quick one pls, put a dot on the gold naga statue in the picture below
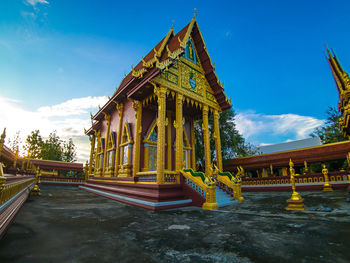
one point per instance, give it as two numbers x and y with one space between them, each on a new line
233 181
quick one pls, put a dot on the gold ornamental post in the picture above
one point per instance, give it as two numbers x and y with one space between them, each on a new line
295 202
327 186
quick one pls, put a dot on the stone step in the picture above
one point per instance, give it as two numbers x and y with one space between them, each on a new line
224 199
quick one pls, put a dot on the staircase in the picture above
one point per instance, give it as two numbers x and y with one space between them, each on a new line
224 199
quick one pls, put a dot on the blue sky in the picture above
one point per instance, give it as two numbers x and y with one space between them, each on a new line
60 59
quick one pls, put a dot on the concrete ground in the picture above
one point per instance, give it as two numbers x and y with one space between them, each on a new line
70 225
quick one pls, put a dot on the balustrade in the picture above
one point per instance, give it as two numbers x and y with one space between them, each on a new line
9 190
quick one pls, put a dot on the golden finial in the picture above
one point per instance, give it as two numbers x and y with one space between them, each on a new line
3 135
172 26
195 12
291 164
91 116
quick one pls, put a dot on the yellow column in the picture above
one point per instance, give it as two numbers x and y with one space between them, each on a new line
193 145
105 157
137 105
98 135
179 133
217 140
206 140
119 136
169 141
161 94
92 151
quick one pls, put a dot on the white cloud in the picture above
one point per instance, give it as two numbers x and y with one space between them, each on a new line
73 106
68 118
34 2
251 124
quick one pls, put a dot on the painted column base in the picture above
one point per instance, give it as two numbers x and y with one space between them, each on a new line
36 190
210 206
327 187
296 205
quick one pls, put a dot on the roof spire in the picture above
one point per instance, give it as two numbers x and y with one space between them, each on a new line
172 26
195 12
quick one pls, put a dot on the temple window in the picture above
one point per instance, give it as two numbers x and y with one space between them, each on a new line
186 151
126 145
190 52
100 155
150 144
111 150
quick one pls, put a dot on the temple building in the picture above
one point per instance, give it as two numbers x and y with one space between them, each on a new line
342 82
142 139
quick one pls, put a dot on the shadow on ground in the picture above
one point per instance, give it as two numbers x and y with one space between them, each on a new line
70 225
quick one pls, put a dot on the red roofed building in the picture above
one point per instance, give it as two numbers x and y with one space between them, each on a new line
144 134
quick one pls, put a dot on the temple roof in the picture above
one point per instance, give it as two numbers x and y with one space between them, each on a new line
58 165
326 152
162 56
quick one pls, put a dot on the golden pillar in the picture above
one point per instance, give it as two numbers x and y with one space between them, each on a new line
306 169
295 202
217 140
179 132
169 141
161 94
105 157
137 105
193 145
92 152
120 108
206 140
98 136
327 186
36 189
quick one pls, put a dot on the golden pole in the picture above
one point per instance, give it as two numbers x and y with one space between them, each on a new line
217 140
137 105
120 108
169 149
179 132
295 202
327 186
161 94
206 140
105 157
92 152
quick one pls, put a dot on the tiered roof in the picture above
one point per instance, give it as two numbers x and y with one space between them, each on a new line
342 81
160 58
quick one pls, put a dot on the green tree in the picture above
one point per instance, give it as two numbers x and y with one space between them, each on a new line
52 148
233 145
15 142
33 144
330 131
69 151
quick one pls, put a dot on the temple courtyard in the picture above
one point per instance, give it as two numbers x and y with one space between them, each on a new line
71 225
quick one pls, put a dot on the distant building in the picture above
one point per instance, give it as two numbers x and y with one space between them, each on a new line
293 145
